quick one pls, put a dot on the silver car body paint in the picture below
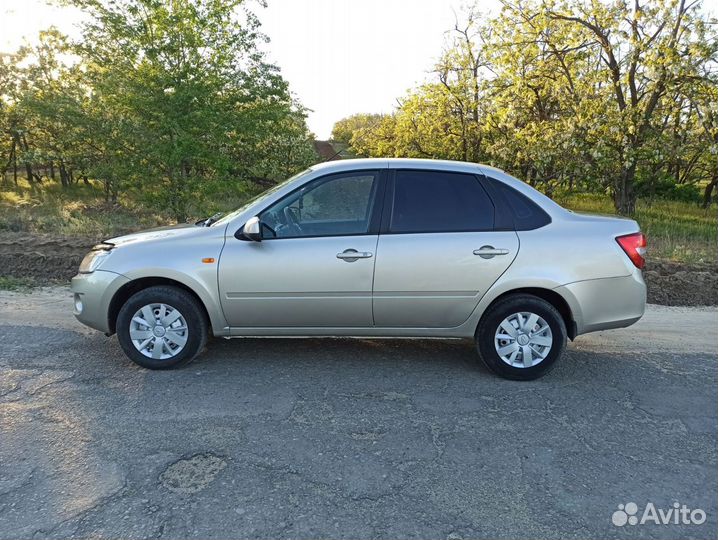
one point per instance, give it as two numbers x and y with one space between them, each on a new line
428 284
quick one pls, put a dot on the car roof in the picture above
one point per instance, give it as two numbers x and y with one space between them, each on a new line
400 163
329 167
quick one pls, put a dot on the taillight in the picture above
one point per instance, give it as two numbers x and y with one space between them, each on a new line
635 247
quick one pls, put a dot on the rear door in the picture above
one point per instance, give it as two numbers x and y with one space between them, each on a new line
438 252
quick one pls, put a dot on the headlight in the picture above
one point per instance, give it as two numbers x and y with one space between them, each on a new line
94 258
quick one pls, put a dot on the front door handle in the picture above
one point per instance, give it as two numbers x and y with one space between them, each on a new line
351 255
487 252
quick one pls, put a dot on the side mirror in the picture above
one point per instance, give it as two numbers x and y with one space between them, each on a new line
252 230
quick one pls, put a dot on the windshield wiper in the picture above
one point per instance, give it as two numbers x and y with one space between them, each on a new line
208 221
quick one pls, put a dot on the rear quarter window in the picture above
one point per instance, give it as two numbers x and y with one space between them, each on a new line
526 214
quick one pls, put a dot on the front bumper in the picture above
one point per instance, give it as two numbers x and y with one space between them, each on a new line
601 304
92 296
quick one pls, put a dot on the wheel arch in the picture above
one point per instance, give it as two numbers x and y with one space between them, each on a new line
550 296
136 285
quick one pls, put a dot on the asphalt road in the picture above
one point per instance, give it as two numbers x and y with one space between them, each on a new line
286 438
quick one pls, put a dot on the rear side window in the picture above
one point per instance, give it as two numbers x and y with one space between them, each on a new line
527 215
436 201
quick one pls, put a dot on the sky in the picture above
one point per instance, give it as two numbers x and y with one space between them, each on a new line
340 56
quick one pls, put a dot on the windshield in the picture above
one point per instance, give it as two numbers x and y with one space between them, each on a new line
258 198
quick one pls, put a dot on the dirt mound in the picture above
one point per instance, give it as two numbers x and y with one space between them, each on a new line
47 258
676 284
42 257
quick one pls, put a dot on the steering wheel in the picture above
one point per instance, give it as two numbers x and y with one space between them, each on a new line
292 220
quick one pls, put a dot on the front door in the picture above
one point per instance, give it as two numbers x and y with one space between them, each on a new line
439 254
315 264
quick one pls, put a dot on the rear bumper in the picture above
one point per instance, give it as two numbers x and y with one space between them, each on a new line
601 304
92 296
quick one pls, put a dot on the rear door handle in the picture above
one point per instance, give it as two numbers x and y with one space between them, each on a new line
351 255
487 252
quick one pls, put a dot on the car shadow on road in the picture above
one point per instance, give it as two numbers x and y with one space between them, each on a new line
378 351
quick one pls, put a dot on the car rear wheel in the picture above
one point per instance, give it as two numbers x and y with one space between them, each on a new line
521 337
162 327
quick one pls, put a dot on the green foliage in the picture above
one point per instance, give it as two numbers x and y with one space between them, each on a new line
666 188
170 102
606 97
352 126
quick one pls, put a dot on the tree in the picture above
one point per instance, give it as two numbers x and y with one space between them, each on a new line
460 72
569 93
642 50
374 139
181 103
701 89
50 100
348 127
8 143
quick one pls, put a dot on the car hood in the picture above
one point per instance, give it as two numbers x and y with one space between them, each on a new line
160 233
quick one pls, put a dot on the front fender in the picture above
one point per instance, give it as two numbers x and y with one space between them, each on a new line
204 285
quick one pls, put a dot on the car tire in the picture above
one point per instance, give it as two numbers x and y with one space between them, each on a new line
507 328
162 327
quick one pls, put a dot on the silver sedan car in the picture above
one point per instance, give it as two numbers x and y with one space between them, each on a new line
373 247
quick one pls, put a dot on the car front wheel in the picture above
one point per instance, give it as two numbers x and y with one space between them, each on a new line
162 327
521 337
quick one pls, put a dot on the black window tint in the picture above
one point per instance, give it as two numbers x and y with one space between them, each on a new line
527 214
439 202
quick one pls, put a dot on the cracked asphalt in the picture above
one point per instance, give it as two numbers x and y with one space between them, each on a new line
341 438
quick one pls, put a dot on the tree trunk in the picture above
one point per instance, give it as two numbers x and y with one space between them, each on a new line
14 163
28 165
464 142
10 161
28 172
179 188
624 195
63 175
52 170
708 193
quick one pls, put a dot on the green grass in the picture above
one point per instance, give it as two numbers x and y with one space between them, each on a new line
74 211
677 231
9 283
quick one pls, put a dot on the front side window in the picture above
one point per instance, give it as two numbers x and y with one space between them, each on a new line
437 201
334 206
258 198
